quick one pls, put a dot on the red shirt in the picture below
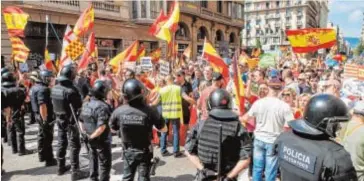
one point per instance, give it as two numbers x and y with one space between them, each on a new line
202 101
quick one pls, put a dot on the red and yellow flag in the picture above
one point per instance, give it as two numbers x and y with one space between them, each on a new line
217 63
156 54
88 55
256 52
311 39
161 19
19 52
47 60
187 52
129 54
171 25
239 86
15 20
85 22
141 52
74 49
172 50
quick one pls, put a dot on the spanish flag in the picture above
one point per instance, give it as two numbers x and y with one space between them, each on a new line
170 26
19 52
47 60
156 54
158 23
85 22
129 54
215 60
311 39
187 52
141 52
89 53
15 20
239 86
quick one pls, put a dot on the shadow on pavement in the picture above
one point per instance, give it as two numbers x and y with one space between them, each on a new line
33 171
178 178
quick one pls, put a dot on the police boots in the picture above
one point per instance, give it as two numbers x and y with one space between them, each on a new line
62 168
78 175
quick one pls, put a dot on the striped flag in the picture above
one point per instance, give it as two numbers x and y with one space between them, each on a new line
15 20
85 21
187 52
88 54
19 52
47 60
171 24
239 86
67 38
128 54
141 52
159 21
351 71
156 54
217 63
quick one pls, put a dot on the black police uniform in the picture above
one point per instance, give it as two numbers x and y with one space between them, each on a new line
16 127
41 94
306 153
94 114
135 122
63 94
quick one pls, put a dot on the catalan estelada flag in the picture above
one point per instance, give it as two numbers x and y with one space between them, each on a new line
15 20
129 54
19 52
170 26
311 39
85 22
47 60
217 63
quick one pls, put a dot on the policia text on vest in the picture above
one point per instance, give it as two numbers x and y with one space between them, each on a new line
298 158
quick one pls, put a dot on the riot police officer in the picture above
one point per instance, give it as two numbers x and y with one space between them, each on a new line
4 104
94 119
64 94
41 104
202 145
307 152
16 123
135 120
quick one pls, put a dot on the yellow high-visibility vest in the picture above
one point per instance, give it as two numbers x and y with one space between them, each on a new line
171 100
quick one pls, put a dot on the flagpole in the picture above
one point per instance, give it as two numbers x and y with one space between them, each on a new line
46 42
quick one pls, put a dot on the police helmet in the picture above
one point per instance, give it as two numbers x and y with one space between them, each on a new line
4 70
45 76
99 89
322 115
8 79
34 75
219 99
133 89
68 72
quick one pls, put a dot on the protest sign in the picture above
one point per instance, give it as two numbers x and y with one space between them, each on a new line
267 60
354 71
164 68
129 65
146 63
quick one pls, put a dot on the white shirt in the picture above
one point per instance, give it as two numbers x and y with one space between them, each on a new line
271 115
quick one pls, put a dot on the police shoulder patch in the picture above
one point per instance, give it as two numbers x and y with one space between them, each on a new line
298 157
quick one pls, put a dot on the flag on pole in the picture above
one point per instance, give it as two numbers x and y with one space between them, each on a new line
171 25
187 52
19 52
87 55
15 20
156 54
47 60
141 52
85 21
239 86
159 21
127 55
217 63
311 39
172 49
67 38
74 49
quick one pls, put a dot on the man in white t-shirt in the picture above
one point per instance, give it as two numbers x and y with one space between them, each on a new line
271 115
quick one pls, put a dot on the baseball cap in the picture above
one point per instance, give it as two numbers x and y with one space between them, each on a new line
274 73
216 76
359 108
275 84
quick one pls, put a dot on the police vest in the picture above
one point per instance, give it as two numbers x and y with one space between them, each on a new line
15 97
208 144
304 159
171 102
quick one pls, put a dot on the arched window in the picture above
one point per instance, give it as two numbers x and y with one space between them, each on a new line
219 36
232 38
202 33
182 32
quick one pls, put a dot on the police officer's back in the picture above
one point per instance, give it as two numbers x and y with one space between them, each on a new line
135 121
64 94
308 153
203 140
94 116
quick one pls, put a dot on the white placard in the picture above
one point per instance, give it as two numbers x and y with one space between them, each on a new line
164 68
129 65
146 63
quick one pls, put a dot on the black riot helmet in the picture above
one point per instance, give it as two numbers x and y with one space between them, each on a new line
99 89
68 72
4 70
133 90
8 79
219 99
322 115
45 76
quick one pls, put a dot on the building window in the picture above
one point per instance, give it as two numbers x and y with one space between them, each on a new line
232 38
135 9
248 6
219 6
202 33
143 9
204 4
288 3
154 9
277 4
219 36
182 33
267 5
230 6
257 22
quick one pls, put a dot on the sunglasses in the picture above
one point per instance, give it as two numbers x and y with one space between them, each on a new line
286 95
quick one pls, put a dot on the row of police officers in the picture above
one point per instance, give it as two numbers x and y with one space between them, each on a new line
219 147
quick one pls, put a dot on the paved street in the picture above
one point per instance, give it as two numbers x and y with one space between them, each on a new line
28 167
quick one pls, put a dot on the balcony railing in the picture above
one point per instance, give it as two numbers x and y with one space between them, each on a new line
67 3
106 6
207 12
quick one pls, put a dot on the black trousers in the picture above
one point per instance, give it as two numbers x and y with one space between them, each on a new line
134 160
45 139
29 109
16 134
68 132
100 156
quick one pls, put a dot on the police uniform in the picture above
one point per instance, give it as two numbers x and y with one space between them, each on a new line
94 114
203 141
135 121
306 153
41 94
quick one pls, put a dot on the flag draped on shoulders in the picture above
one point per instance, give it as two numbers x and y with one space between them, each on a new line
19 52
85 21
89 53
129 54
170 26
217 63
311 39
16 20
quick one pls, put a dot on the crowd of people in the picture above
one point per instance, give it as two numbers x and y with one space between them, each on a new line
277 100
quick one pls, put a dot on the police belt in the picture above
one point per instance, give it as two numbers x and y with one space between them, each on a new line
136 147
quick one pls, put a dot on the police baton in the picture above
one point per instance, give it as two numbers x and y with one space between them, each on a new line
219 158
85 140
